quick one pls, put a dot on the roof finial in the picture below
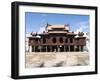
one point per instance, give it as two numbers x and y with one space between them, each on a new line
46 26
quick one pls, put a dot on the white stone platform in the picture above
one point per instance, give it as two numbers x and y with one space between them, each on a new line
56 59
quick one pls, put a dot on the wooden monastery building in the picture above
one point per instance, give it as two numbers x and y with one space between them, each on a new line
57 38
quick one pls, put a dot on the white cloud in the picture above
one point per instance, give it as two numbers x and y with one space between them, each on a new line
83 26
41 29
79 30
43 25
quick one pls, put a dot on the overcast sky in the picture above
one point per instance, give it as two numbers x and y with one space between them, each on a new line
36 22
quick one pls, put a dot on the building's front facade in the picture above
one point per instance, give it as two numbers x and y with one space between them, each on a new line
57 38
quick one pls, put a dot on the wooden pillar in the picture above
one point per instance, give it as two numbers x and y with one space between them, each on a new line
32 48
79 48
82 48
57 48
74 47
46 48
50 48
40 48
64 49
69 48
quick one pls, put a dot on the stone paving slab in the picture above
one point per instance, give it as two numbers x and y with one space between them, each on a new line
56 59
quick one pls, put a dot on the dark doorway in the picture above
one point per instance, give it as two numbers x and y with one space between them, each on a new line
48 49
71 48
61 48
81 48
66 48
43 49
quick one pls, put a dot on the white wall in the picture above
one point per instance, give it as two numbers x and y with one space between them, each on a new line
5 40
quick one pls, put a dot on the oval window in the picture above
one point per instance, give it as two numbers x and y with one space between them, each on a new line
54 40
71 40
61 40
66 40
44 40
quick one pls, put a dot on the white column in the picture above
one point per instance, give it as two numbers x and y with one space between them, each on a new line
79 48
27 45
40 48
46 48
30 48
58 49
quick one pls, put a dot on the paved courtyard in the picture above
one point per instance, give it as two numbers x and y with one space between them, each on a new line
56 59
